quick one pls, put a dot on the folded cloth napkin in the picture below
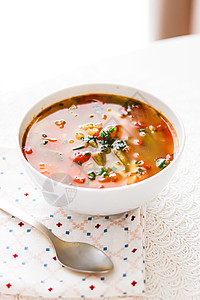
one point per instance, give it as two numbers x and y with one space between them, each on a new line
28 265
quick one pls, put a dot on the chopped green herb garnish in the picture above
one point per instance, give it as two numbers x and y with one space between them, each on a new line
112 129
138 162
140 170
121 145
44 135
136 103
45 142
158 114
105 174
107 140
142 130
79 163
104 148
91 176
89 138
79 147
106 133
87 153
101 134
103 171
61 104
82 138
161 163
127 105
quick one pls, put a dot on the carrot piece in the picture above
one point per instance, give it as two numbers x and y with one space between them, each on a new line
101 186
80 157
79 179
60 123
28 150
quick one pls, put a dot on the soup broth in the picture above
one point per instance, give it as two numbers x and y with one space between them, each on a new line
99 141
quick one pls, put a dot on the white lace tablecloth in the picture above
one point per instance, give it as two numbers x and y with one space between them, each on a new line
169 70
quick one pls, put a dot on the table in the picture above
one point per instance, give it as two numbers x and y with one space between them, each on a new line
170 70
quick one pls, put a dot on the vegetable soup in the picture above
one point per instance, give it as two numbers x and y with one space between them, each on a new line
99 141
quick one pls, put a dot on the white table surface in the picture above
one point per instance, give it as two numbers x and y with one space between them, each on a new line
168 69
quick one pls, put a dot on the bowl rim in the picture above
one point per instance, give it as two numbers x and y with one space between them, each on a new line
124 187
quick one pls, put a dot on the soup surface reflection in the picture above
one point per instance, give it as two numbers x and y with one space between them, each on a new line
99 141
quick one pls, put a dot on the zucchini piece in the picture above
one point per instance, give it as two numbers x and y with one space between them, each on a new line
93 144
121 155
99 158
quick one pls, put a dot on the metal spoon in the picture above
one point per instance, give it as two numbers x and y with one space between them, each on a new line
76 256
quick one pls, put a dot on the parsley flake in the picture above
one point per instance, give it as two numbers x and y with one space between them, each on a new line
91 176
161 163
103 171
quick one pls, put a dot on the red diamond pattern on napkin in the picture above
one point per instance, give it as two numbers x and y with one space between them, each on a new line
133 283
97 226
21 224
59 224
92 287
132 218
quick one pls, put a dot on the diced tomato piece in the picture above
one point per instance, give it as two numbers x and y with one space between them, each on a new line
79 179
146 166
101 186
142 170
97 135
114 176
80 157
114 133
159 126
128 148
169 157
51 140
137 142
104 179
28 150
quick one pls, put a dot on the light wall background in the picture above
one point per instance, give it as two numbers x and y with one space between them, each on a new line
41 39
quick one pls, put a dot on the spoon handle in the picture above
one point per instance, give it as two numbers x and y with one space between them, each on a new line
20 214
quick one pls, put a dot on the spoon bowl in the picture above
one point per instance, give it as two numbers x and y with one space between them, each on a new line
82 257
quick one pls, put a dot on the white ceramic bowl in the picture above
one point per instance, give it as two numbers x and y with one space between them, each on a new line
110 200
